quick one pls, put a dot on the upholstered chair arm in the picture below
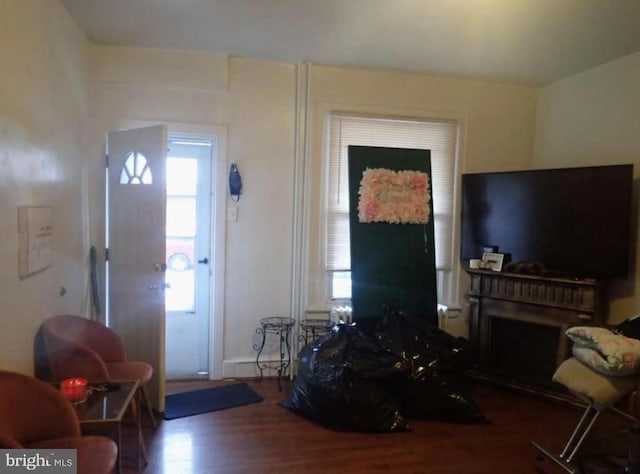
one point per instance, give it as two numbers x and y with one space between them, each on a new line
33 410
9 443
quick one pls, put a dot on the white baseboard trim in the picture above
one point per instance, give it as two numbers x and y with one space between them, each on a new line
244 368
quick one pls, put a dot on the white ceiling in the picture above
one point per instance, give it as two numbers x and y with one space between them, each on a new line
524 41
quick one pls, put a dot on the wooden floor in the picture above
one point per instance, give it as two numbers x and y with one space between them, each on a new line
266 438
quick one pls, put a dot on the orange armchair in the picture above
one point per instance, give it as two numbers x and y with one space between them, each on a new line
71 346
35 415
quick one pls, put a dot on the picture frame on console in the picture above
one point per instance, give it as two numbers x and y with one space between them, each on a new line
492 261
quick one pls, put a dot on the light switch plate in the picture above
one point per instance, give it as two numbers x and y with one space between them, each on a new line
232 214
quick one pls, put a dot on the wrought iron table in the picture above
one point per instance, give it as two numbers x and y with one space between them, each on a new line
281 327
313 328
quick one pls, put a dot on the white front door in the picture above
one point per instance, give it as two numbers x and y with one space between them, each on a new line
189 257
136 246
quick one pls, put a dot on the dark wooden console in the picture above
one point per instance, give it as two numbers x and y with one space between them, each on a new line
518 323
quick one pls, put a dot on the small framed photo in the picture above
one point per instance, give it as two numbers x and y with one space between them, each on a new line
493 261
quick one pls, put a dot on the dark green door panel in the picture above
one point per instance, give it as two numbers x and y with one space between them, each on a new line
391 264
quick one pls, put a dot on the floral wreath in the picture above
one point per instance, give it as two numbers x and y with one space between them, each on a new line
395 197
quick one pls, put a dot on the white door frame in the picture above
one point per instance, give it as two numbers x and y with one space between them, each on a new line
218 232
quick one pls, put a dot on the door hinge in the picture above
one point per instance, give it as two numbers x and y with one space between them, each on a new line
106 255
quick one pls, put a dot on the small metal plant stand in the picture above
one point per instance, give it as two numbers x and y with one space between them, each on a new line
281 327
313 328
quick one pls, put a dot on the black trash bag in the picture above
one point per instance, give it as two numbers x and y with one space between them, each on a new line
425 349
347 345
437 361
629 327
439 400
340 384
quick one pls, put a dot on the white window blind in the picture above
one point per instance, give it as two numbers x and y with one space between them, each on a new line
345 130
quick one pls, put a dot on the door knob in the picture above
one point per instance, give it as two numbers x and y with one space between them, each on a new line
204 261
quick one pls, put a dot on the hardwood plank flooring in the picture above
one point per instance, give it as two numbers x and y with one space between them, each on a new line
266 438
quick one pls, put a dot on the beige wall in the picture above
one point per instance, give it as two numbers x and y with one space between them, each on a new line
496 133
254 102
50 156
261 113
43 136
51 153
592 119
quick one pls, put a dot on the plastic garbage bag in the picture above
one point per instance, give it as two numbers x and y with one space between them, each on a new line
340 383
436 361
629 327
440 400
350 381
425 349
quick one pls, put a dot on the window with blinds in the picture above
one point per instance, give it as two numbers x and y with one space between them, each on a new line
438 136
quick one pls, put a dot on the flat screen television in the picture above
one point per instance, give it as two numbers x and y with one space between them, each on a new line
576 222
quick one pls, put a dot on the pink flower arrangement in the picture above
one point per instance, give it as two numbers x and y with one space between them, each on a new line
396 197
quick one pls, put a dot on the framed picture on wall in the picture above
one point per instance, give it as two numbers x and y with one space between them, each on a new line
35 235
493 261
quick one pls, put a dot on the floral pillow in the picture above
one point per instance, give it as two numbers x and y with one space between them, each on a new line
605 351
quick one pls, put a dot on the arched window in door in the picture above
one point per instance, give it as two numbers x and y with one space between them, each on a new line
135 170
